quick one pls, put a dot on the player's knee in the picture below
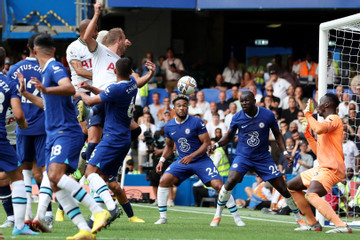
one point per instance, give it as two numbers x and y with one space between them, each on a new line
311 196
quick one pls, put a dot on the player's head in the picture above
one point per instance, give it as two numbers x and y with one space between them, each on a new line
82 28
44 44
247 101
123 68
181 104
31 41
2 57
116 36
328 104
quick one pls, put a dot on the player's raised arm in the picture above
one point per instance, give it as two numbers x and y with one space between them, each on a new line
37 101
90 41
205 140
141 81
169 146
64 88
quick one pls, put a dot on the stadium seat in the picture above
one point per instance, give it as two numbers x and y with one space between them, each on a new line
208 199
211 94
163 93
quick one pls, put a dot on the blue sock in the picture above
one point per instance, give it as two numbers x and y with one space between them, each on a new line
49 208
60 207
91 147
5 196
128 209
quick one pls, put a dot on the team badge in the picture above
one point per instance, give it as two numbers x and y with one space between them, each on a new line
187 131
235 165
261 125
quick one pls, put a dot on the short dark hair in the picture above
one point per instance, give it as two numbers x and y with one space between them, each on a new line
31 40
2 56
294 131
44 40
333 98
180 96
123 67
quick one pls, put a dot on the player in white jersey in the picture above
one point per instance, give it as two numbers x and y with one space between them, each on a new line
105 56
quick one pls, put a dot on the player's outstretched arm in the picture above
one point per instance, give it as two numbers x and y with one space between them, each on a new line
18 113
141 81
90 41
169 145
86 86
90 101
37 101
223 141
205 140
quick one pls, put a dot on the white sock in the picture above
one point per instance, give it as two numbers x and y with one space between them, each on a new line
99 186
72 209
291 203
163 195
19 203
223 198
73 187
27 180
45 196
10 218
231 205
48 214
99 201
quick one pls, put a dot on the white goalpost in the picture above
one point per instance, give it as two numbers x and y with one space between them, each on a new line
340 40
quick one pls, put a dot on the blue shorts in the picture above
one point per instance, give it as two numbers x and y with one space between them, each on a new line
31 148
98 118
204 168
9 160
109 157
64 149
265 168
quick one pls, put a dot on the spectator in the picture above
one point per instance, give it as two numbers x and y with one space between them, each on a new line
155 106
237 102
279 85
240 203
173 69
258 96
193 108
246 81
7 65
147 133
351 153
220 83
284 129
141 118
284 164
268 102
173 94
143 70
213 109
166 107
223 104
130 169
306 70
232 74
290 93
339 92
204 105
356 95
344 105
290 114
234 91
257 72
228 117
269 92
299 98
214 124
305 162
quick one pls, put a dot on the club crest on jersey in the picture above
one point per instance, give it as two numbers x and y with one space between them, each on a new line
187 131
235 165
261 125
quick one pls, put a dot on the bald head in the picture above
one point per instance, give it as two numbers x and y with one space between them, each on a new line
247 94
83 25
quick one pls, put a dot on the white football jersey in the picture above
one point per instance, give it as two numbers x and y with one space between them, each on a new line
104 64
78 50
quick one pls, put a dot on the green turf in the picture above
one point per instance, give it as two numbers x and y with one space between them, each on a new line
191 223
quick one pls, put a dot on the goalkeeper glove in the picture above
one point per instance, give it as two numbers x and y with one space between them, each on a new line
309 107
304 124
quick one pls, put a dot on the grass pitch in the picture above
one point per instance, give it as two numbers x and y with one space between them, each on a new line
190 223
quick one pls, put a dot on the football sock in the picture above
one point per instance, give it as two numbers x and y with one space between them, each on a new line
302 203
231 205
27 180
19 203
91 147
45 196
128 209
163 195
224 196
60 207
324 208
72 209
295 210
5 197
71 186
98 200
98 185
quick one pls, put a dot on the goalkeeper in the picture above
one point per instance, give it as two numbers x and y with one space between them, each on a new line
319 180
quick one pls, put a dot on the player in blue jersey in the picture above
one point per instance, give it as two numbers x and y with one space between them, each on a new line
253 125
31 141
119 101
192 140
63 137
9 96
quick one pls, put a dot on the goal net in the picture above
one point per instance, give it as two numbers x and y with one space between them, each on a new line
339 73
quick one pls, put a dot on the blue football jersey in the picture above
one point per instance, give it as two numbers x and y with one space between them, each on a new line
59 111
253 133
34 115
186 135
119 99
8 90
